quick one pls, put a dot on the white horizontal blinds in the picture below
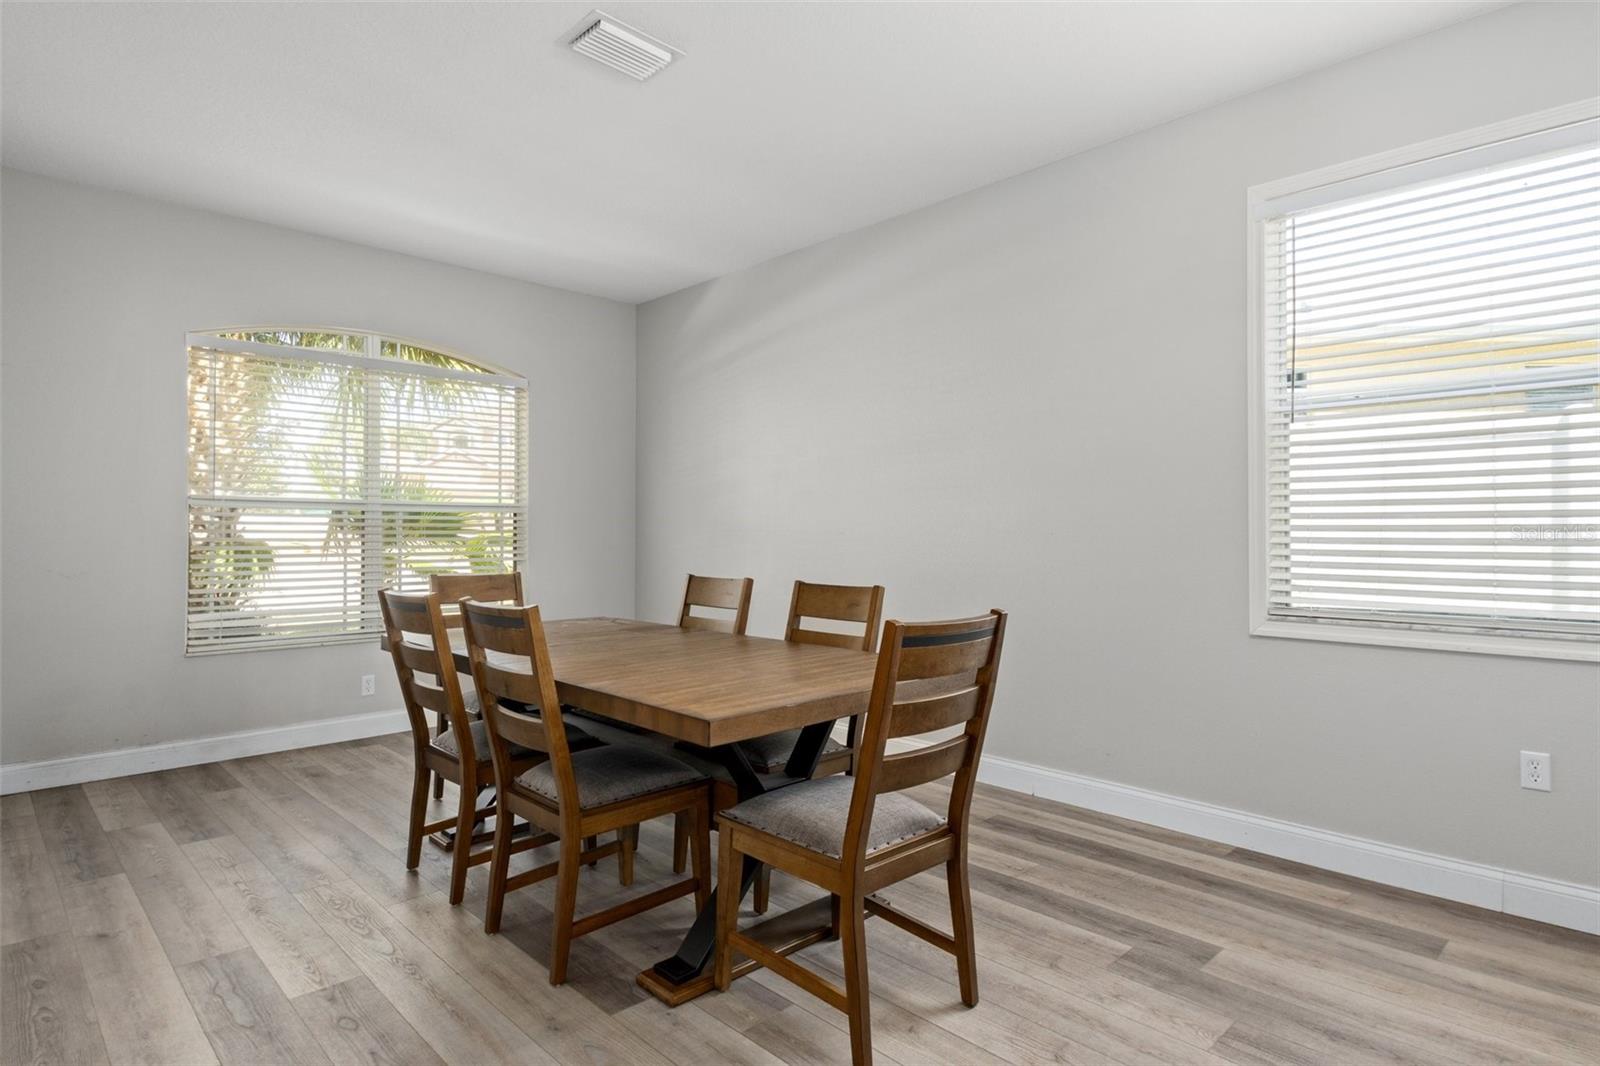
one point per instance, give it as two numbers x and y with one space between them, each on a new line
323 467
1433 431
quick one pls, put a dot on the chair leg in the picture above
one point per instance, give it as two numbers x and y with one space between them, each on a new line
680 842
700 846
419 812
462 847
438 780
853 922
499 866
763 888
589 844
728 870
627 844
961 926
566 905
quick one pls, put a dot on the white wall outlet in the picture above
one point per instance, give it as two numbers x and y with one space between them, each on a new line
369 684
1536 770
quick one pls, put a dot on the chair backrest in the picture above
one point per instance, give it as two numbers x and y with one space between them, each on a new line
719 593
835 603
485 588
931 676
420 644
511 665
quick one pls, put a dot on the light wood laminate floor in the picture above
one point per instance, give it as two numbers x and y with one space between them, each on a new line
257 911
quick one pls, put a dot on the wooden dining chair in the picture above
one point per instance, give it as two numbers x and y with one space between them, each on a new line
719 594
504 588
426 670
487 588
569 794
831 603
852 836
827 603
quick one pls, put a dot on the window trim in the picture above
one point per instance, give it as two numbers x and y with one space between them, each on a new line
490 373
1399 635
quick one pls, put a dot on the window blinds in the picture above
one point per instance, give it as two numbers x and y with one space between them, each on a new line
318 476
1432 368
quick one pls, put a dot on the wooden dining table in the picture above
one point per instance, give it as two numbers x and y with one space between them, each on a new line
712 690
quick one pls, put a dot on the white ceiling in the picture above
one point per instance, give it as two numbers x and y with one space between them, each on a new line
469 133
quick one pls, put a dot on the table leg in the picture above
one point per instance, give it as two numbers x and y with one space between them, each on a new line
701 940
687 973
807 751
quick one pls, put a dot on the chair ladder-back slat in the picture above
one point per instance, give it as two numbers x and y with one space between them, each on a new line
420 659
907 769
524 730
434 699
512 685
944 658
914 717
500 629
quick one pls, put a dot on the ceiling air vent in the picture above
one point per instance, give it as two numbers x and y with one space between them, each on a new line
620 46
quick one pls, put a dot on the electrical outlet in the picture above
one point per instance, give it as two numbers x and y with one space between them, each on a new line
369 684
1536 770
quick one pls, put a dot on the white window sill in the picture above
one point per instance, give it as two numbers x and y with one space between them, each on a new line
1476 643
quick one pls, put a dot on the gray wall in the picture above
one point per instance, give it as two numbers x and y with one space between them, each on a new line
99 289
1032 396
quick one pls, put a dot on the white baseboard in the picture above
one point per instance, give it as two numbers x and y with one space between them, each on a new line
1494 888
76 769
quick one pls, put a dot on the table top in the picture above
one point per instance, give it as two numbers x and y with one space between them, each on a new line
704 687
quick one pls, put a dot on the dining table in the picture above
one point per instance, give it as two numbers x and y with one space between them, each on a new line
710 691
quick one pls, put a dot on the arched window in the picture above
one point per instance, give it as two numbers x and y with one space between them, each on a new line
327 464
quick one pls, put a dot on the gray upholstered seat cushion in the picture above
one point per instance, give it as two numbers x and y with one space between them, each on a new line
612 773
769 754
813 814
446 741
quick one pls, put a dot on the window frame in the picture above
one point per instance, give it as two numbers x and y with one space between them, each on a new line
1370 174
487 373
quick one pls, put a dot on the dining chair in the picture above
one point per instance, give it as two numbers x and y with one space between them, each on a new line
505 587
852 836
718 594
830 603
489 588
419 645
569 794
826 603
